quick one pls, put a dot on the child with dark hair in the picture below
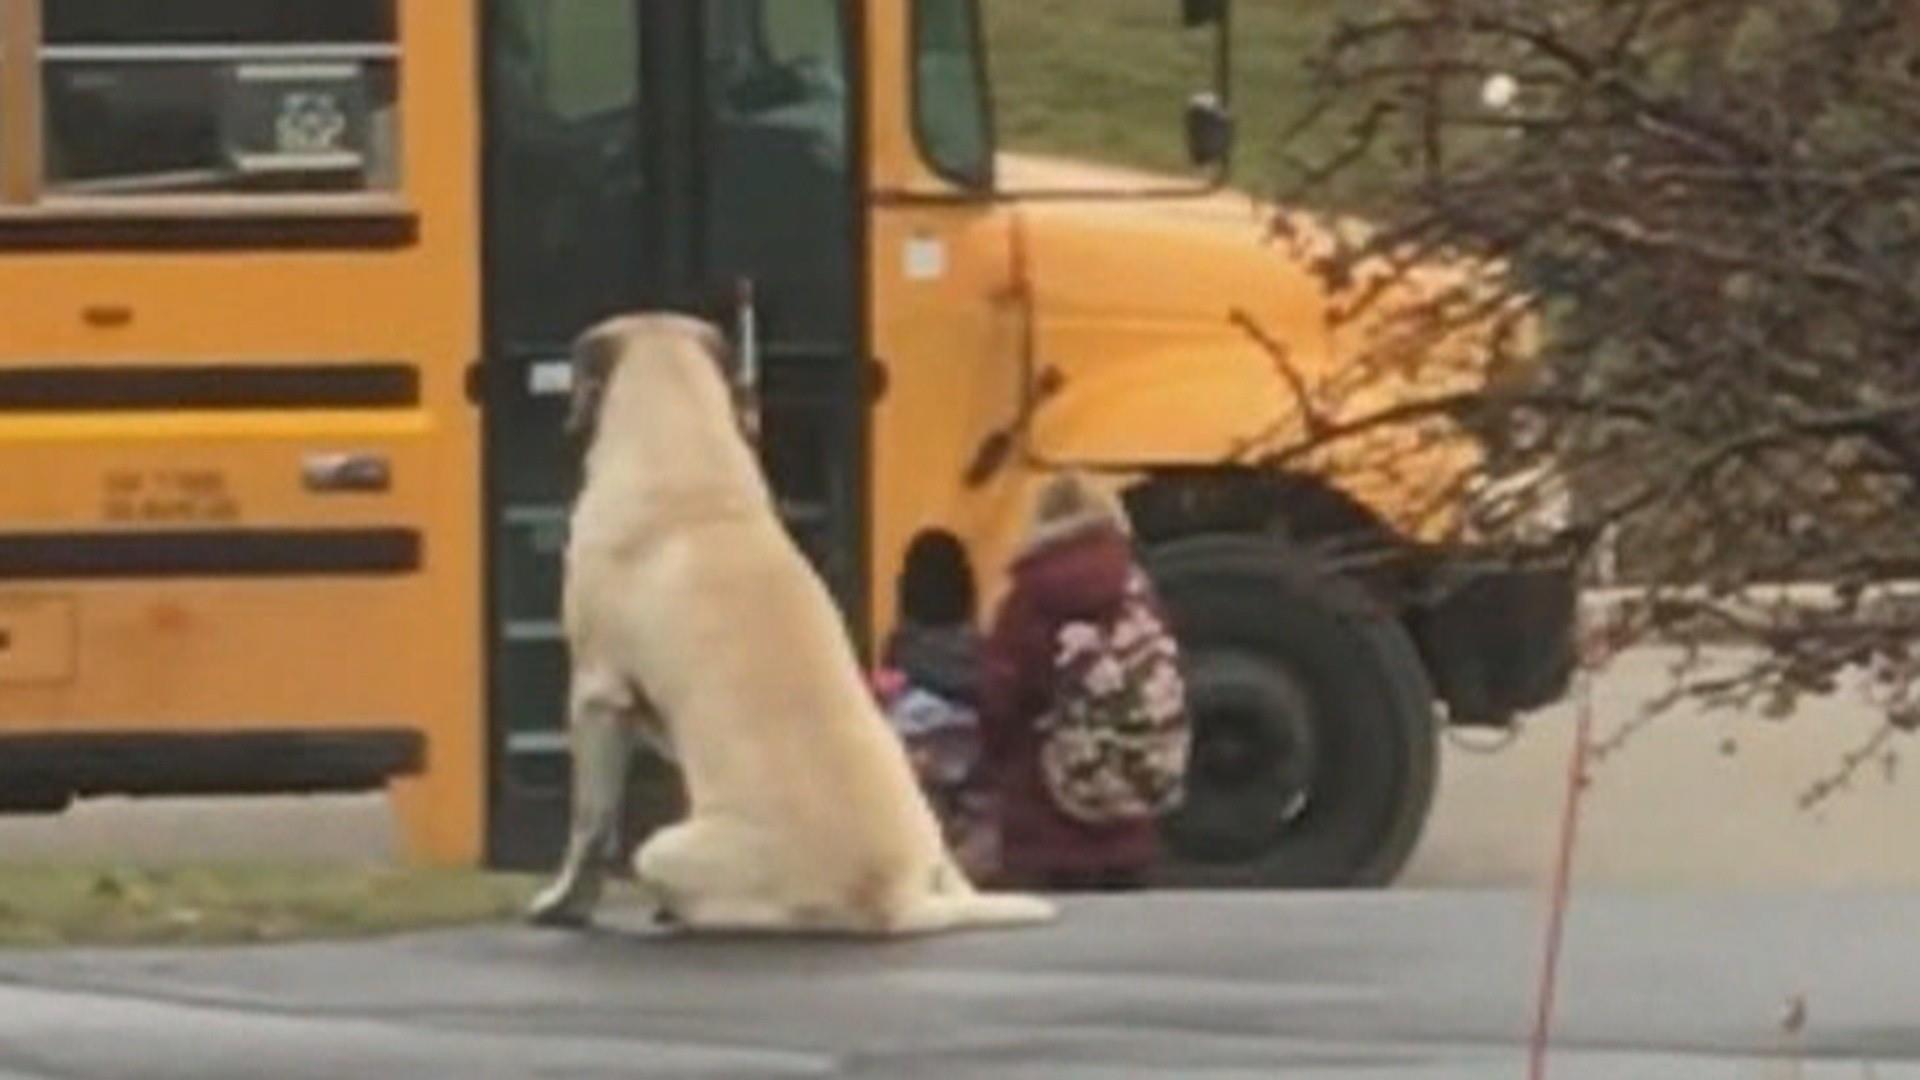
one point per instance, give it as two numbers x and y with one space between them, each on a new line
929 686
936 644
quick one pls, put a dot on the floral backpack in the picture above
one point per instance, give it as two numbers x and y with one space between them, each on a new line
1115 742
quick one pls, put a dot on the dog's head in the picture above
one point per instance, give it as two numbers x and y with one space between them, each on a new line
598 353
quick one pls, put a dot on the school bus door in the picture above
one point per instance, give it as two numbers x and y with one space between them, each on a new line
636 153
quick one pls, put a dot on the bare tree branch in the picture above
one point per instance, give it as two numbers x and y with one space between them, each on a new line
1676 274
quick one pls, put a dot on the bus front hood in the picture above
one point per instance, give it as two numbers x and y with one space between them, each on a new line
1194 330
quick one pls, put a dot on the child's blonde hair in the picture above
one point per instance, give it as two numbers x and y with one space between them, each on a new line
1068 501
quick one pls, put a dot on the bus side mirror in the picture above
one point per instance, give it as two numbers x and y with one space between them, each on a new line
1209 131
1198 13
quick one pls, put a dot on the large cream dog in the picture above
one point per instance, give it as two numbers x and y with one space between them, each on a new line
694 621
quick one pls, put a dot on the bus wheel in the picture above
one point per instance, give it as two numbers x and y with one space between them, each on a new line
1315 745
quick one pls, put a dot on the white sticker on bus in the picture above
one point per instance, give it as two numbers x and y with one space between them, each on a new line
550 378
926 258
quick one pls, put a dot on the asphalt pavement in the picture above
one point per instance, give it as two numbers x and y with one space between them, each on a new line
1718 930
1401 985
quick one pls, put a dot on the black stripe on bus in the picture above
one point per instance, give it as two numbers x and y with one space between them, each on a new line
40 772
132 388
127 232
213 553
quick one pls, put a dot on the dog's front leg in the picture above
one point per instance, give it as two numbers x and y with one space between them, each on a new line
603 742
652 730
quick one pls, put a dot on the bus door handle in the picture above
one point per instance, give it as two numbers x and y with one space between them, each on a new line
746 319
746 377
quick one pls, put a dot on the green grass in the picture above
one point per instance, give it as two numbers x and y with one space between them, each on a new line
57 904
1106 81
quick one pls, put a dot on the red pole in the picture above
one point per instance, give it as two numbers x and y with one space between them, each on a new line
1562 880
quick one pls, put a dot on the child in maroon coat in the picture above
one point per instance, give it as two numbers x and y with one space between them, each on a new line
1074 565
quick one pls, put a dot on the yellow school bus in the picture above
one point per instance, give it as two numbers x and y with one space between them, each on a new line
286 288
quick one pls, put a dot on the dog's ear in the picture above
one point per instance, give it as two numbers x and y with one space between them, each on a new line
594 355
715 342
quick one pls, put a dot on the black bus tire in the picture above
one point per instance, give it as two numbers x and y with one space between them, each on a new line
1315 744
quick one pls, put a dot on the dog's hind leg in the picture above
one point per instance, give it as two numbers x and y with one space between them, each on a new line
603 727
713 875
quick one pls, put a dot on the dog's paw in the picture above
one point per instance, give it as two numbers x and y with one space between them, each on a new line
558 918
660 912
560 908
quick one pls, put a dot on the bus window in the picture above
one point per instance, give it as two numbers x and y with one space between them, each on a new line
781 66
568 173
219 96
780 205
949 93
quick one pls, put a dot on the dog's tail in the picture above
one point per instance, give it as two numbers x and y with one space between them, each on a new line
955 911
955 904
1006 909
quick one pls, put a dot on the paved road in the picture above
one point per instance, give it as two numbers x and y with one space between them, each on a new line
1672 810
1405 985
